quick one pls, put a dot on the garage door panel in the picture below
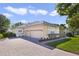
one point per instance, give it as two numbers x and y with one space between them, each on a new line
36 34
27 33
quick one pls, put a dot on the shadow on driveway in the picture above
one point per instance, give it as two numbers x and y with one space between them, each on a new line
36 41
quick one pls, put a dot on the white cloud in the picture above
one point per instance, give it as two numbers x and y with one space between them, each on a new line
23 11
42 12
23 21
32 11
8 15
20 11
39 11
53 13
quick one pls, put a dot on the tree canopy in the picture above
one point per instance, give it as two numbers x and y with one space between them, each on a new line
4 23
72 11
74 22
17 24
68 9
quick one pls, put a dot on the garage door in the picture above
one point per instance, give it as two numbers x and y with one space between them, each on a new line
37 34
27 33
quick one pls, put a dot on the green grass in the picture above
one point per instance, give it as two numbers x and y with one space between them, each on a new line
70 44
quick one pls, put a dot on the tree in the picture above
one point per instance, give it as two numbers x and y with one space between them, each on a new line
62 25
62 8
68 9
4 23
73 23
17 24
72 11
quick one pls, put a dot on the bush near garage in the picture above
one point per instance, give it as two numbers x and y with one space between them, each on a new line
1 36
9 34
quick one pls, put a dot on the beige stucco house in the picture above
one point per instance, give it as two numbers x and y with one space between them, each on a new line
40 29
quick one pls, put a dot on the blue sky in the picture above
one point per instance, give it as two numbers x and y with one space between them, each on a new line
30 12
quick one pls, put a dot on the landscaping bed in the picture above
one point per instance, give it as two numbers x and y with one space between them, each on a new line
70 44
42 40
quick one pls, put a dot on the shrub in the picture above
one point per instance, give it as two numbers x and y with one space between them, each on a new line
69 35
4 34
9 34
1 36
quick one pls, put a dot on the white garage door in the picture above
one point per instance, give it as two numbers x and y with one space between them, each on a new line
37 34
27 33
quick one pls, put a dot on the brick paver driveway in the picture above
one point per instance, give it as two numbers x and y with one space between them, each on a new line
18 46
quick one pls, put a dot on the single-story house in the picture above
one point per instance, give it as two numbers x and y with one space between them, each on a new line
40 29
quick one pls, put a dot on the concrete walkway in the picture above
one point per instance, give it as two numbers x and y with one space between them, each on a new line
21 47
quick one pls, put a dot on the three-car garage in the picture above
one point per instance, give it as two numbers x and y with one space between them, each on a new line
34 33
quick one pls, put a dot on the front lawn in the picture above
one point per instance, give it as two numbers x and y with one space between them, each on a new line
70 44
